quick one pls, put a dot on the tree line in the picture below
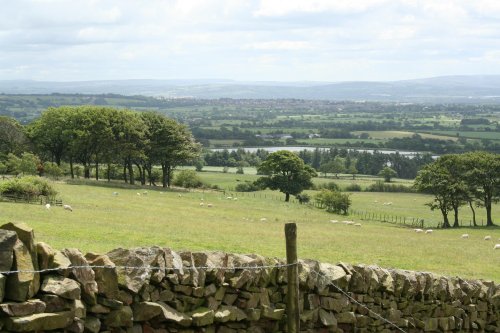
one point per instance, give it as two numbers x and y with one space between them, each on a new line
455 180
92 136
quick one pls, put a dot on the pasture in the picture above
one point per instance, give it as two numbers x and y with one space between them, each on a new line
102 221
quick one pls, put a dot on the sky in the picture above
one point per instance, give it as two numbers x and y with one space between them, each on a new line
266 40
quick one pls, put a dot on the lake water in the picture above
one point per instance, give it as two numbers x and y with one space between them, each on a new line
308 148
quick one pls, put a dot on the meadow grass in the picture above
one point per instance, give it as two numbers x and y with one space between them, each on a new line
101 221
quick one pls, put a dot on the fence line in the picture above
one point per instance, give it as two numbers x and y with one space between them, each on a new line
39 200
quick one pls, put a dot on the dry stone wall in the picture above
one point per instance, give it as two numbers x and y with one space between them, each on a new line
188 292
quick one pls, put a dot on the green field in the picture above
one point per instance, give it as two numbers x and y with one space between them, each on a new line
101 222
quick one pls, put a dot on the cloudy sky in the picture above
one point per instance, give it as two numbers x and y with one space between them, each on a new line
260 40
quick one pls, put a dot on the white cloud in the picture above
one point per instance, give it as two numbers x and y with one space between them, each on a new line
281 8
279 45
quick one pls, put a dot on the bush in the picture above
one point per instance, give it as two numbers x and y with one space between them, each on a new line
27 187
353 188
332 186
187 179
240 170
333 201
303 198
247 186
381 186
52 170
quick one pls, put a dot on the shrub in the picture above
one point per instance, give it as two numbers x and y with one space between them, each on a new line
27 187
333 201
353 188
332 186
381 186
303 198
187 179
52 170
247 186
240 170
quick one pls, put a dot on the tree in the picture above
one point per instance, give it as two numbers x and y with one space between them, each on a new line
13 139
482 174
434 179
336 166
387 173
286 172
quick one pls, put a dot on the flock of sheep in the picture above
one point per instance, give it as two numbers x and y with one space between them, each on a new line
464 236
65 207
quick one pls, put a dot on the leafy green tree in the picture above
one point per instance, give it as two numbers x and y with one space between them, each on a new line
335 166
435 179
482 174
387 173
286 172
187 179
13 138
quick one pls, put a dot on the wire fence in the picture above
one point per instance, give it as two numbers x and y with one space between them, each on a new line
36 200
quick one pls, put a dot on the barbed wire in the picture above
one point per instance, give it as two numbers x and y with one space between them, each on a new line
330 283
151 268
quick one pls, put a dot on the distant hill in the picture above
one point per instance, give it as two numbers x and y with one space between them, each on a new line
445 89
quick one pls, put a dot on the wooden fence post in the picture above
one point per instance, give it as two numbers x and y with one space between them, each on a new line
292 296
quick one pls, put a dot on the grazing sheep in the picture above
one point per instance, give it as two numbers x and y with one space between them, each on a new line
209 205
179 195
47 206
263 219
465 236
115 193
357 225
235 199
201 203
428 231
145 193
138 194
229 198
334 221
496 247
68 207
487 237
418 230
201 199
375 201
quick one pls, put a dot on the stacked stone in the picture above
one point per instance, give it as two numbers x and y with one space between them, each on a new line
148 290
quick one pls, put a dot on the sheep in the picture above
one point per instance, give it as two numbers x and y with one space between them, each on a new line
47 206
138 194
209 205
428 231
263 219
357 225
418 230
465 236
487 237
496 247
145 193
229 198
68 207
201 203
334 221
235 199
115 193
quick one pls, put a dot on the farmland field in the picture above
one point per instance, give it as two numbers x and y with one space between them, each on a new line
101 222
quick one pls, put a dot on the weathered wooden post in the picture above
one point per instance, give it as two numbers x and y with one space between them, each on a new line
292 297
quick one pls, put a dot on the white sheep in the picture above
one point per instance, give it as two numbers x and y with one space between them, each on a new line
428 231
334 221
47 206
138 194
496 247
201 203
465 236
487 237
229 198
263 219
115 193
68 207
145 193
235 199
209 205
418 230
357 225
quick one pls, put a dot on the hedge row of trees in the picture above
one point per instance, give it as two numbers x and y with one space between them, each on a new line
455 180
94 136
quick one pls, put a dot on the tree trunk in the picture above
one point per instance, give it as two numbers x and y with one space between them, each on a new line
96 170
109 172
455 213
125 171
489 220
473 213
287 197
86 170
163 175
71 168
131 172
446 223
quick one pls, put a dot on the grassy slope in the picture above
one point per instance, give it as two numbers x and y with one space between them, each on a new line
101 222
